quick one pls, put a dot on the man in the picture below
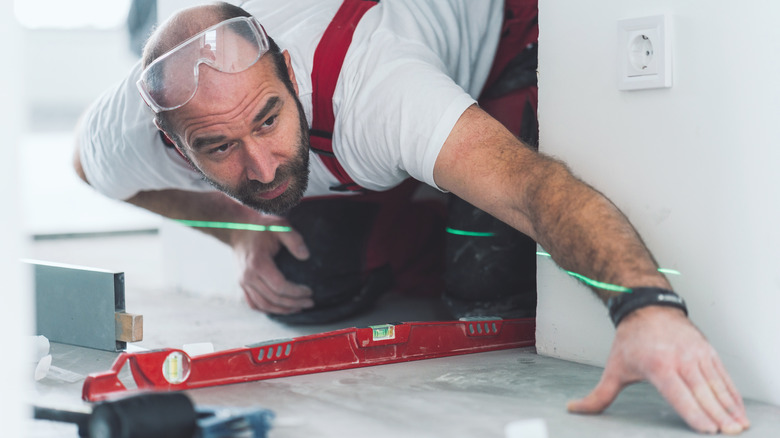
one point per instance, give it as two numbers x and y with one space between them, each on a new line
241 115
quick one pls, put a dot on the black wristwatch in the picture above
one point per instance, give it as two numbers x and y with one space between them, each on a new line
621 305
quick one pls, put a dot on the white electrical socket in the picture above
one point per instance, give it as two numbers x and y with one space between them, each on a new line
644 55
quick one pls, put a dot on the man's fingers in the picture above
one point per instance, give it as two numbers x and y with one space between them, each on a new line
258 302
268 291
262 298
599 399
674 389
275 282
712 396
288 294
293 241
732 388
723 389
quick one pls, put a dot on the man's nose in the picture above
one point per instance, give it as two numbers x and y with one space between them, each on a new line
261 164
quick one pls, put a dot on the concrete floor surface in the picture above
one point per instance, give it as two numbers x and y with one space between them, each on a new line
474 395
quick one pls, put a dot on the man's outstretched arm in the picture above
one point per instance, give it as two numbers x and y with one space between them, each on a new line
263 284
584 232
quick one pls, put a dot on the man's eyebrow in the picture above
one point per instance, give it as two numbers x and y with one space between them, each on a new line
271 104
201 142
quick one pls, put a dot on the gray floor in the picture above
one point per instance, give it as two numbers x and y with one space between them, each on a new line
468 396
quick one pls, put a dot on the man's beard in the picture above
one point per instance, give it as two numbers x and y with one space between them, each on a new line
296 171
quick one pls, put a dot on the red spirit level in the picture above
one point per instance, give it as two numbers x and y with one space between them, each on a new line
174 370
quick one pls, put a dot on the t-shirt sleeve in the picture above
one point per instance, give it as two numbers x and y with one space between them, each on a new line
393 121
121 150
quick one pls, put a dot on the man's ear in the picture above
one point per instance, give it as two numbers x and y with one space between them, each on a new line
166 138
290 72
169 142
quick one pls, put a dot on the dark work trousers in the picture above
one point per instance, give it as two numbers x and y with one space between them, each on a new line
364 245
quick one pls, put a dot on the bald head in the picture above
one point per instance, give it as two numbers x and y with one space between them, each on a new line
185 24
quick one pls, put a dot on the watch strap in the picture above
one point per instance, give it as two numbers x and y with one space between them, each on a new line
621 305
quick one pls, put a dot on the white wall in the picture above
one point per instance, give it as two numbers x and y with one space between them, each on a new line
15 311
68 69
65 70
694 167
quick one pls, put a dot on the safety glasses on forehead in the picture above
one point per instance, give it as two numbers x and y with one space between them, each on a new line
231 46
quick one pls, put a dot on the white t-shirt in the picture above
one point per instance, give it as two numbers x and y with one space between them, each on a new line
412 69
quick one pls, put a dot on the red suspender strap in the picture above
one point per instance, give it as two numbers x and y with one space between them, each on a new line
328 59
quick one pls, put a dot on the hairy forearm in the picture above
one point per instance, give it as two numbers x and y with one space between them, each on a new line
213 206
180 204
486 165
586 233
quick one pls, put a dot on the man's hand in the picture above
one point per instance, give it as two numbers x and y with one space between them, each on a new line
265 288
660 344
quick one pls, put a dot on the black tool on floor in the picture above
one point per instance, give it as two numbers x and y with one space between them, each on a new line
163 415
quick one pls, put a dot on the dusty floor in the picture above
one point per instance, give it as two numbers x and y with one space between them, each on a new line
472 395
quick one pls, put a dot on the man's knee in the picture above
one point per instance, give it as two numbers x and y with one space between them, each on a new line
490 267
336 233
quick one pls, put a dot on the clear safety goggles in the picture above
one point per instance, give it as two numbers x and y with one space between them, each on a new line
231 46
